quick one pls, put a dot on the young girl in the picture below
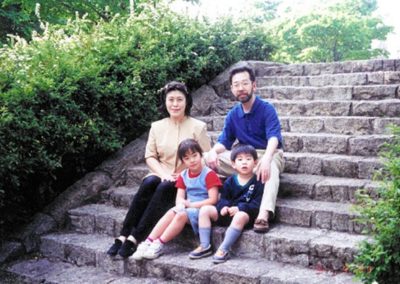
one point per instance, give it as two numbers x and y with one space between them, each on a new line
197 186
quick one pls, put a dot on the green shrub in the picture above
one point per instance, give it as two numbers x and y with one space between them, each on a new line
76 93
379 258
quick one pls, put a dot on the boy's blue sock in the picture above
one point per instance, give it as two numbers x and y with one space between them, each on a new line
231 235
205 235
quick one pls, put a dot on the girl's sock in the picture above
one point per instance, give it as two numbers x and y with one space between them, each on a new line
205 234
231 235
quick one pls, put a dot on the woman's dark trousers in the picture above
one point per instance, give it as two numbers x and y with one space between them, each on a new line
149 204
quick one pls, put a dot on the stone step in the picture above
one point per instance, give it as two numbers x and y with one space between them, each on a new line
120 196
308 248
364 145
315 187
332 165
349 79
324 188
333 216
332 93
90 219
349 125
332 68
43 270
382 108
97 218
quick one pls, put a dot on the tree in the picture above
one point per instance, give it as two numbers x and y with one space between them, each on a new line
344 31
18 17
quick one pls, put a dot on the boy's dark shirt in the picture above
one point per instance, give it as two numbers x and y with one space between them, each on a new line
233 194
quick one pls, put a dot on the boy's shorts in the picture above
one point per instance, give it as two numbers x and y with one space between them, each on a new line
226 220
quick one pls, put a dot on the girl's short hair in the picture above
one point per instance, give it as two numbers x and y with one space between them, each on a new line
243 149
175 86
188 145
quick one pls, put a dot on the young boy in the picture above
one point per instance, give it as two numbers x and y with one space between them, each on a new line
238 207
197 186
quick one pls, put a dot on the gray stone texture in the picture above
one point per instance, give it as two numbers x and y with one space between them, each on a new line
29 235
131 154
10 250
203 101
79 193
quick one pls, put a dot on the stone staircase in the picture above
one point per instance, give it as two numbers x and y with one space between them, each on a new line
333 119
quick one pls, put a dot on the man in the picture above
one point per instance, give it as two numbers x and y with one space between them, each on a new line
254 122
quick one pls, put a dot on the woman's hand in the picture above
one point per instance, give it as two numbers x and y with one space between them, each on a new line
167 177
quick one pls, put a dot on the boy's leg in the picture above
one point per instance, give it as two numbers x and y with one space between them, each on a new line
231 235
162 225
234 230
271 188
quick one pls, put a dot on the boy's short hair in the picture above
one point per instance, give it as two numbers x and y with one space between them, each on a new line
186 145
243 149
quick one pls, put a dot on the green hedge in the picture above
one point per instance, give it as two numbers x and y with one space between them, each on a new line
79 92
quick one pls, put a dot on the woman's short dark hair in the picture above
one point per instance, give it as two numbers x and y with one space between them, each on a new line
243 149
188 145
241 69
175 86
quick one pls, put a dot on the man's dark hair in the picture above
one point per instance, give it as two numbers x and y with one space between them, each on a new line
243 149
241 69
188 145
175 86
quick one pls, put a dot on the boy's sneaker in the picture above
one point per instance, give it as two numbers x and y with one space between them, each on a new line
127 248
200 252
141 249
220 256
113 250
154 250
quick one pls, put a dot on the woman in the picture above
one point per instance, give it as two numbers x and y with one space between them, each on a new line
157 192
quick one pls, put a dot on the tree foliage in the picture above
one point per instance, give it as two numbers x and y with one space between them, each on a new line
344 31
18 16
379 259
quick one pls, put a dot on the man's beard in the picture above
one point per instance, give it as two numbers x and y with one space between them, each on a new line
245 99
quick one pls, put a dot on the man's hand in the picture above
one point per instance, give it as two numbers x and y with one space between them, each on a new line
264 169
212 159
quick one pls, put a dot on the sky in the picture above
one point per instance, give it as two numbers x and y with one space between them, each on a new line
388 9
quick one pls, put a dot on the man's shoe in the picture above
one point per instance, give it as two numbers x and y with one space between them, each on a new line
127 248
261 226
220 256
154 250
113 250
200 252
141 249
